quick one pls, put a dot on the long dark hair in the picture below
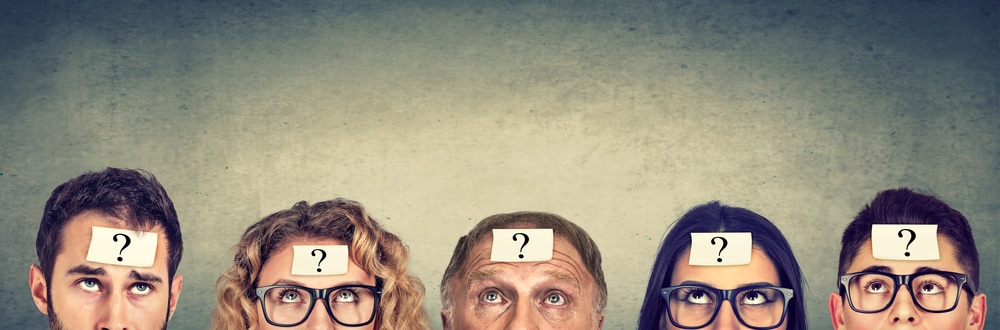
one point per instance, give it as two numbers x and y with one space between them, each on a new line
715 217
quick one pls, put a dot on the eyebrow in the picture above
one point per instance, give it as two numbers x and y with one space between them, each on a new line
928 269
86 270
739 286
563 277
877 268
285 281
91 271
145 277
482 274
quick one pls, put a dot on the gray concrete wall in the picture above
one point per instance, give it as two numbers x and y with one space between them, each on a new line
435 115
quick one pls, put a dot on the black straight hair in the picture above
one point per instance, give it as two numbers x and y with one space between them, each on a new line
715 217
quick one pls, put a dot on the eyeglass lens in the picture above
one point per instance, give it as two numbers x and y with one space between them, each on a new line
290 305
933 292
695 307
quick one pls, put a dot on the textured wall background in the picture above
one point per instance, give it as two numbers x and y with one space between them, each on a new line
438 114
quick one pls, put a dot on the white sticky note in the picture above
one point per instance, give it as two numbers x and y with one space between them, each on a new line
319 259
521 245
116 246
905 242
720 249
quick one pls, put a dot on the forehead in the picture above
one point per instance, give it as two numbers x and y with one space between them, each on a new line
81 226
564 256
760 270
278 267
863 259
78 232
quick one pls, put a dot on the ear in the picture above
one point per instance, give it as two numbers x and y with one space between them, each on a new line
445 321
175 293
837 311
39 288
977 312
600 321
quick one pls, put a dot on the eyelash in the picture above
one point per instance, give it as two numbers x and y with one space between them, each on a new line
99 287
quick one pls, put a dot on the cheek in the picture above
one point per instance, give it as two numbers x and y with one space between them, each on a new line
856 321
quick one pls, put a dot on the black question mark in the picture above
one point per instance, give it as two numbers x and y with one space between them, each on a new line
724 244
321 258
522 244
128 241
913 236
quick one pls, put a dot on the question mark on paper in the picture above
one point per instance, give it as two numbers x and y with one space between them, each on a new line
724 244
522 244
128 241
321 258
913 236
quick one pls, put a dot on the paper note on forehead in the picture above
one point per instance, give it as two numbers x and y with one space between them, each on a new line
720 249
123 247
319 259
521 245
905 242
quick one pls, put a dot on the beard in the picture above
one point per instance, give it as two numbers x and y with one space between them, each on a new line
56 324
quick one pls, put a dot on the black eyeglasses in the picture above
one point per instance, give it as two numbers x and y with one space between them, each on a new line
757 307
873 292
290 305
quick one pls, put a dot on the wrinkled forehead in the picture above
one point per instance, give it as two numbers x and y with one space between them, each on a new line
563 251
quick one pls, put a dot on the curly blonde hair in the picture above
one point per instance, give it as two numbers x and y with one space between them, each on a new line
376 250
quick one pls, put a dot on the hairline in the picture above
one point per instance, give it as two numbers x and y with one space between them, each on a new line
448 287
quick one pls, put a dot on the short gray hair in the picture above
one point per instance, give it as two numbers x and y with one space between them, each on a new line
560 227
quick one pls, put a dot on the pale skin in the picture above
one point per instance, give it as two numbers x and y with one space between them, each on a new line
277 270
760 271
86 294
903 313
554 294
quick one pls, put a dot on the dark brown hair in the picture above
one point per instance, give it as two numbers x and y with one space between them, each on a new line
133 196
905 206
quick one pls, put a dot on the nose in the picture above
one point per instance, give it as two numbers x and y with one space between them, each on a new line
113 312
903 309
726 318
525 316
319 318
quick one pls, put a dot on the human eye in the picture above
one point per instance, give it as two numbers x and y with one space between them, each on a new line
754 297
696 296
345 296
289 295
141 289
876 286
555 299
89 285
930 288
491 297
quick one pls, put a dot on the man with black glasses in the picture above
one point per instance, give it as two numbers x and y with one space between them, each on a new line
883 285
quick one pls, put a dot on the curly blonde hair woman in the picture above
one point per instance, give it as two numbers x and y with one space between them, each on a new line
378 261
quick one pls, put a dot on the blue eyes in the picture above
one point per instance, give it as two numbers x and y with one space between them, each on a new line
552 299
94 286
555 299
491 297
89 285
